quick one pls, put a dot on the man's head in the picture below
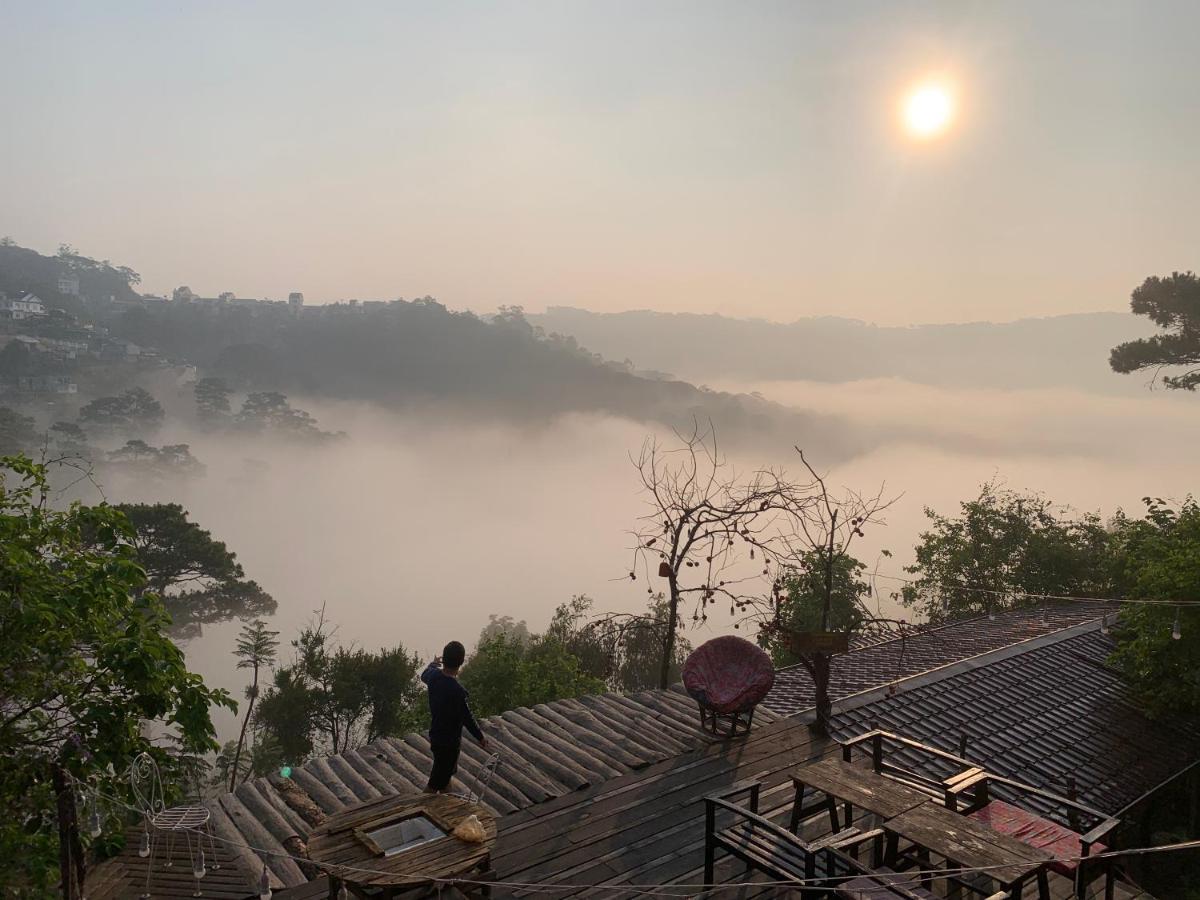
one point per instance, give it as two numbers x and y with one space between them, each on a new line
453 656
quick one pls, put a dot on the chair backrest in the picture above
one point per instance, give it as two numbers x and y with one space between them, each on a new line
486 771
146 783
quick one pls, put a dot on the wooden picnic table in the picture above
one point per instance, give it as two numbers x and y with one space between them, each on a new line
965 843
853 786
341 846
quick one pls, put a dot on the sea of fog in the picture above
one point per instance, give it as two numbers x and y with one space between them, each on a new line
414 532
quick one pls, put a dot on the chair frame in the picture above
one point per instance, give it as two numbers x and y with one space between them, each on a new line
973 784
145 780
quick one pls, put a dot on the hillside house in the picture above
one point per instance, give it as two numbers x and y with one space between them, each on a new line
26 306
47 384
68 284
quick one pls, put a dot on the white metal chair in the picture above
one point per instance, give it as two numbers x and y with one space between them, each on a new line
193 822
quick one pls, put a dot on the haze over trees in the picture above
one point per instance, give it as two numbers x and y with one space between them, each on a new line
1057 351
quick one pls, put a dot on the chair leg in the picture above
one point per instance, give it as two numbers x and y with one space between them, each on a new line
150 863
797 804
212 846
709 852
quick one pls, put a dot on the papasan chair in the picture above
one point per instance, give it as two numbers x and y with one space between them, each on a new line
728 676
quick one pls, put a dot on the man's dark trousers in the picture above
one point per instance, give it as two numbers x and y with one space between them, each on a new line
445 764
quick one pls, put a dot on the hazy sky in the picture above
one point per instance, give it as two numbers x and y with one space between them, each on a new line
742 158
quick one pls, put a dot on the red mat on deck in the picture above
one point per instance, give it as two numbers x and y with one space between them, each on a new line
1032 829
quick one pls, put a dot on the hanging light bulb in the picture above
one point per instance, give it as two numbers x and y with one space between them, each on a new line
1176 633
144 848
264 885
1104 624
94 824
991 612
198 870
342 893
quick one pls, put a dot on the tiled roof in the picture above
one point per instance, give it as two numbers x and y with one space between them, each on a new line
1038 716
878 664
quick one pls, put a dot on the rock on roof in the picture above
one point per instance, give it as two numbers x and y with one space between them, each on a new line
547 751
924 650
1038 714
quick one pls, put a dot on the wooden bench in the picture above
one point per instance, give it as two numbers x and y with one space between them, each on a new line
774 850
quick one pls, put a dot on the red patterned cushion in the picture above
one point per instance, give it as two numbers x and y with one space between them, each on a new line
1032 829
728 674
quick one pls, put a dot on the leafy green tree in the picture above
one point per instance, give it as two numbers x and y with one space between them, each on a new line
87 664
198 578
505 672
803 600
1001 545
1173 304
229 766
332 698
255 649
212 400
134 410
622 650
1158 558
18 433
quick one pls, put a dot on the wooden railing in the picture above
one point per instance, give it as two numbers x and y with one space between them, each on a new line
964 780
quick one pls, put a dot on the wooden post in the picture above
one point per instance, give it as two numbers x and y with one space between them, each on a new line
1072 812
70 856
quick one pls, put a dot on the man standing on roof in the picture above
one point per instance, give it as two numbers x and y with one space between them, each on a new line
450 713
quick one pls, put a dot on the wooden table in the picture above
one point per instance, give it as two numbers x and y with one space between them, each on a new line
338 847
964 842
853 786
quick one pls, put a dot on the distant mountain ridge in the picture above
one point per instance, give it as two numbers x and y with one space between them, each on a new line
400 354
1057 351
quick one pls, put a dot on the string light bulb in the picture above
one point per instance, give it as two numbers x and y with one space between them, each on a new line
343 894
1176 632
198 869
144 847
1104 624
94 824
264 884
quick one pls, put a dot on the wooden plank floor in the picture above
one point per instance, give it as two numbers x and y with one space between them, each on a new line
124 876
647 827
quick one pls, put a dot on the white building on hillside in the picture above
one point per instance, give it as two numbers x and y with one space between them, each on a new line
24 307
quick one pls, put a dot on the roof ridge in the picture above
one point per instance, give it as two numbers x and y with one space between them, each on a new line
921 631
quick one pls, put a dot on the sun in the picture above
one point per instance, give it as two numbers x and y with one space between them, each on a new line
928 110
